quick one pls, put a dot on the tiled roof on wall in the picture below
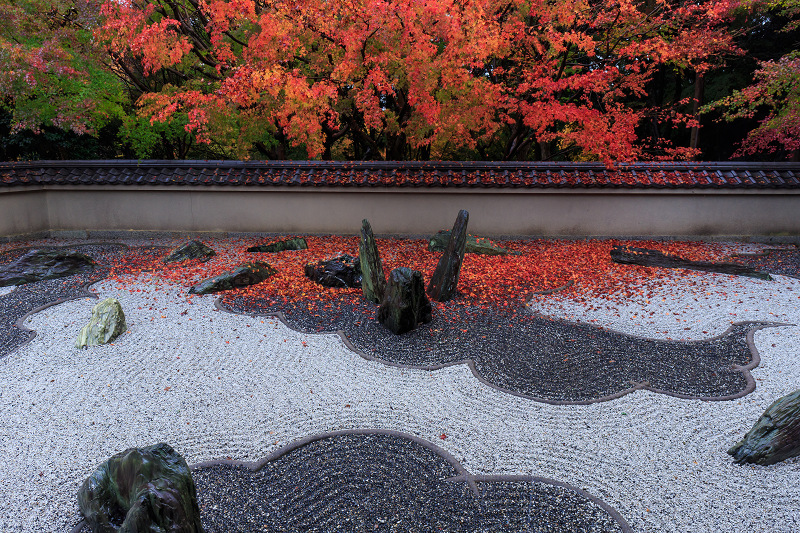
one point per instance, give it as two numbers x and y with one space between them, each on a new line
534 175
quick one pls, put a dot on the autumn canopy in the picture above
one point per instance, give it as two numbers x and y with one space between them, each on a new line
401 79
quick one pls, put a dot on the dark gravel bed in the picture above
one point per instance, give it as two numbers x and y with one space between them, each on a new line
540 358
377 482
28 298
784 262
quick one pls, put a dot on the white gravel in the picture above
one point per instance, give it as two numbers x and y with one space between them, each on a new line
218 385
6 290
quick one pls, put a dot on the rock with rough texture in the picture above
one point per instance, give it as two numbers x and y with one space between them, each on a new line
141 490
190 250
373 281
296 243
107 323
629 255
775 435
241 276
445 278
340 271
404 305
37 265
474 245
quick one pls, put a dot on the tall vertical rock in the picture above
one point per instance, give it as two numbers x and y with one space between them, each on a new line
404 305
445 278
373 281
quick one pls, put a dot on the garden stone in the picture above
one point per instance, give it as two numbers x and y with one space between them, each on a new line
297 243
629 255
37 265
445 278
241 276
340 271
404 305
775 435
474 245
190 250
107 323
373 281
141 490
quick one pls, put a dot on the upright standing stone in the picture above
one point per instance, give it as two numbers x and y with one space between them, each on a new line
445 278
404 305
141 490
373 282
107 323
774 437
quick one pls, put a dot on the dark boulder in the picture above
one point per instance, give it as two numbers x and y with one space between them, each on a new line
141 490
373 281
445 278
474 245
37 265
340 271
404 305
775 435
296 243
241 276
629 255
190 250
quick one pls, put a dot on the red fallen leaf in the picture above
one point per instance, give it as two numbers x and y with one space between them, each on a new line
442 436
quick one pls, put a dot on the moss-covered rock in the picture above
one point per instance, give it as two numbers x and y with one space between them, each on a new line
107 323
373 281
445 278
296 243
474 245
241 276
141 490
774 437
190 250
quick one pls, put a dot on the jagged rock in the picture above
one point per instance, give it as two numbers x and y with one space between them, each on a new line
373 281
141 490
629 255
404 305
445 278
775 435
190 250
297 243
474 245
340 271
37 265
107 323
241 276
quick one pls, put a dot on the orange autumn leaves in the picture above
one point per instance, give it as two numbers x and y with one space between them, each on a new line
485 281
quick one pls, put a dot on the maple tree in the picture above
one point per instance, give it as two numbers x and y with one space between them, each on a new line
373 79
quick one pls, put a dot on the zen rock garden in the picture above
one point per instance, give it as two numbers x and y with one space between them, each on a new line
413 325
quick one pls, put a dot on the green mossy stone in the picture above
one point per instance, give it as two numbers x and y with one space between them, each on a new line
107 323
474 245
444 281
37 265
190 250
296 243
241 276
141 490
774 437
373 281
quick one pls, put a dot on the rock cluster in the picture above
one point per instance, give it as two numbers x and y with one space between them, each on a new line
774 437
241 276
340 271
296 243
404 305
107 323
189 250
141 490
37 265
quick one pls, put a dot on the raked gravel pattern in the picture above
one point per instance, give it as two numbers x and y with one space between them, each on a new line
240 387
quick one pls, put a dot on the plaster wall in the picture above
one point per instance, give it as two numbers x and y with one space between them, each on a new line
552 212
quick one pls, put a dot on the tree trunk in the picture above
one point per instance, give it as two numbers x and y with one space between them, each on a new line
699 86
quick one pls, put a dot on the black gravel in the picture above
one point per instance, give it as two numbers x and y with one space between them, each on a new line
27 298
385 483
532 356
784 262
